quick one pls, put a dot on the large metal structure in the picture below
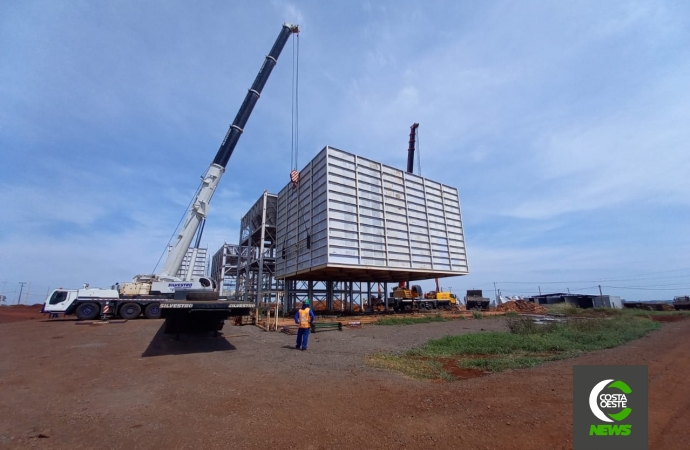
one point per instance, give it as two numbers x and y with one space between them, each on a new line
354 219
336 296
256 280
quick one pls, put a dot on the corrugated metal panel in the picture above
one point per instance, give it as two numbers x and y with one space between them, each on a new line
363 214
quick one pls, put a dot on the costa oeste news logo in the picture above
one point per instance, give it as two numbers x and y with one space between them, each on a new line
610 408
599 400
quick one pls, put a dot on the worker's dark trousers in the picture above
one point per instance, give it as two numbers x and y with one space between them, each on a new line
302 338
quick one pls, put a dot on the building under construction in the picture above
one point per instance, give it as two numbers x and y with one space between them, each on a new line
224 267
346 227
256 279
198 267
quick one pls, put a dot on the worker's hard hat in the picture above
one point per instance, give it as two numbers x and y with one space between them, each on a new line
306 302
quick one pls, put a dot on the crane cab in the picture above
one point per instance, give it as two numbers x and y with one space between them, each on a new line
59 301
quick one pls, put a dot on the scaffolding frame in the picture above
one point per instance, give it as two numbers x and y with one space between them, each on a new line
198 266
325 295
257 250
224 267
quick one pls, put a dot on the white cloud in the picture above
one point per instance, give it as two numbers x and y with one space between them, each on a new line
638 154
545 116
290 12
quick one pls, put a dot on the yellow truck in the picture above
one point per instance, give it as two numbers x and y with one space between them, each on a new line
403 298
440 299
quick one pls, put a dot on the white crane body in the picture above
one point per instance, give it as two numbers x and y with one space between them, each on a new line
154 294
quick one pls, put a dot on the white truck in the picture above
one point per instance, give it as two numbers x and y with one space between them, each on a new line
87 304
127 300
192 303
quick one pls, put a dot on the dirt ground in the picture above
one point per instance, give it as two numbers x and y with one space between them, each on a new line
126 386
20 313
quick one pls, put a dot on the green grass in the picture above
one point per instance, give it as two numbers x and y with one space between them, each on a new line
412 320
477 315
413 367
526 345
569 310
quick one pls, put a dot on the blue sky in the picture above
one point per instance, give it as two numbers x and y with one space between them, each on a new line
563 124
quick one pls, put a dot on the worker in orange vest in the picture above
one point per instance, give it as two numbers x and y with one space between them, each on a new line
303 317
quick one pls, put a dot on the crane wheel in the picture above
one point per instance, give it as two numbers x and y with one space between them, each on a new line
153 311
130 311
87 311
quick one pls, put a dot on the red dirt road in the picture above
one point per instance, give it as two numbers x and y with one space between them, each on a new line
125 386
20 313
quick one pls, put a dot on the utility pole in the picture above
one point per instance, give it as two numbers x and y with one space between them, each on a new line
601 296
568 290
28 293
539 289
495 291
21 288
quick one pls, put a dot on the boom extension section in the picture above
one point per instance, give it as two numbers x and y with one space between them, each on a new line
199 209
410 149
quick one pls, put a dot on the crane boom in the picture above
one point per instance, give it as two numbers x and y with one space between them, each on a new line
200 206
410 168
237 127
410 149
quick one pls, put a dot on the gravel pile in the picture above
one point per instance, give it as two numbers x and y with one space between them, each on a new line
521 306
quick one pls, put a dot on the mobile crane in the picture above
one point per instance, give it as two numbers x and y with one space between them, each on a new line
404 296
164 294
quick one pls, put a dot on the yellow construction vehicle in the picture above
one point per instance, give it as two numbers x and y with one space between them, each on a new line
405 293
406 298
440 299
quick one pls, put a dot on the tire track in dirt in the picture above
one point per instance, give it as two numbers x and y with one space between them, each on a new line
669 401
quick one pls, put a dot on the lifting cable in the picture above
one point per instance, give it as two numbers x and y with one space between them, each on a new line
295 104
189 206
294 143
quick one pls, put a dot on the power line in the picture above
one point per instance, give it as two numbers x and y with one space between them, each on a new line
635 278
668 285
21 288
648 289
